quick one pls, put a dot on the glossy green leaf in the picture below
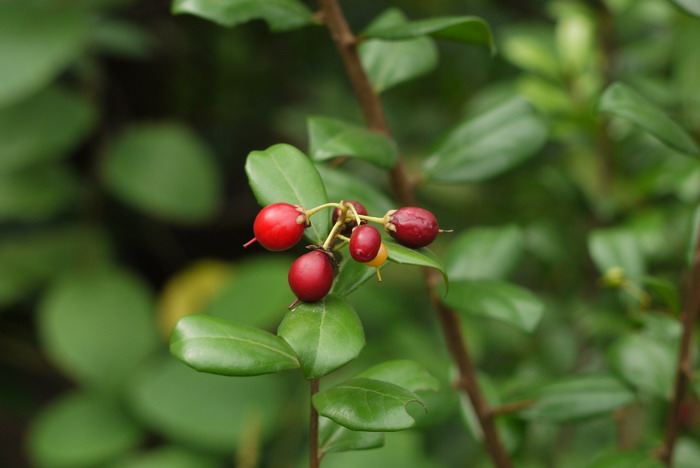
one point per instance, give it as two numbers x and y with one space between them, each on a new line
165 170
215 345
621 100
389 63
325 335
352 275
367 405
645 363
280 15
484 253
81 430
630 459
168 456
616 248
418 257
341 185
404 373
44 127
98 326
335 438
37 42
692 7
579 397
329 138
484 145
497 299
282 173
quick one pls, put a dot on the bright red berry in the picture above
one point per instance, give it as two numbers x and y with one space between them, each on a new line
279 226
412 226
364 243
311 276
350 222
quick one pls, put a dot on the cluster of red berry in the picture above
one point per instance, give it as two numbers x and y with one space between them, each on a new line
280 226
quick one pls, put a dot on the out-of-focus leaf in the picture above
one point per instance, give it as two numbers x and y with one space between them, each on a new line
352 275
124 39
280 15
692 7
616 248
81 430
621 100
336 438
484 253
325 334
532 48
402 372
37 42
367 405
579 397
329 138
666 290
484 145
418 257
169 456
389 63
575 35
165 170
215 345
686 453
626 460
282 173
342 185
693 239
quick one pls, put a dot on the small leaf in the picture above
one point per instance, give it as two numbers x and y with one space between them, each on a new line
336 438
419 257
579 397
620 100
215 345
367 405
352 275
389 63
484 253
616 248
325 335
280 15
342 185
484 145
497 299
404 373
329 138
692 7
282 173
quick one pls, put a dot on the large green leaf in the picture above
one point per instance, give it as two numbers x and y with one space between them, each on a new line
98 326
484 253
620 100
488 143
497 299
333 437
282 173
37 42
367 405
402 372
280 15
215 345
579 397
616 248
646 363
329 138
342 185
418 257
81 430
325 335
45 126
168 456
165 170
389 63
352 275
692 7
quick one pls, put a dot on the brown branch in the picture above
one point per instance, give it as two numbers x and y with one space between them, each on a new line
684 366
375 119
314 459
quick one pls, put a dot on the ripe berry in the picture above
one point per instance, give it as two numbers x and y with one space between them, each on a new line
412 226
279 226
311 276
350 222
364 243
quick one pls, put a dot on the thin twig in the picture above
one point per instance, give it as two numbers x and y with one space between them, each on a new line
511 407
314 459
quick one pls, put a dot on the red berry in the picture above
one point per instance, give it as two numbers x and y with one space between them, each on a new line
412 226
350 222
364 243
311 276
279 226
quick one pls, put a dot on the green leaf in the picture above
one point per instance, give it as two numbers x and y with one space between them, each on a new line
335 438
404 373
168 456
37 42
280 15
645 363
215 345
389 63
98 325
367 405
165 170
579 397
325 335
626 460
124 39
44 127
342 185
464 29
620 100
282 173
484 253
486 144
686 453
532 48
329 138
352 275
692 7
497 299
693 239
81 430
616 248
418 257
666 290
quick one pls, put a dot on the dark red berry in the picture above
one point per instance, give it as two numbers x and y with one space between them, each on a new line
350 222
311 276
279 226
364 243
412 226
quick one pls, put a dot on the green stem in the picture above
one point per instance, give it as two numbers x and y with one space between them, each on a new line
373 219
315 210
